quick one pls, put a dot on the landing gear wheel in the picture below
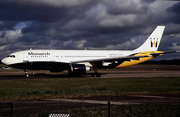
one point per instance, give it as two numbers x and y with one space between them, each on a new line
96 75
27 75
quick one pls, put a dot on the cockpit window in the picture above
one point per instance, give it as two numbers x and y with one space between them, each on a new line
12 56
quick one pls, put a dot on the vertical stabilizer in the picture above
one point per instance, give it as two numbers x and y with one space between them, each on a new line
153 41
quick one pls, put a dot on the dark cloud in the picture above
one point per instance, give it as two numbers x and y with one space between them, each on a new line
175 8
133 7
148 1
4 25
80 24
18 12
175 13
42 11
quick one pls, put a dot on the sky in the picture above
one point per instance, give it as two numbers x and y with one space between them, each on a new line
87 24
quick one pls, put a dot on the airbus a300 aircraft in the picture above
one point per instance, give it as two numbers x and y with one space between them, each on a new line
81 61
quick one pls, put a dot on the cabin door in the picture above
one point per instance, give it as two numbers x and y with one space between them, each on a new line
25 57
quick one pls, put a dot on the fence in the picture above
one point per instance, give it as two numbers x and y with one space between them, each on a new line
74 109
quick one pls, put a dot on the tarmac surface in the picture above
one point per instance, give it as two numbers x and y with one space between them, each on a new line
105 74
125 99
131 71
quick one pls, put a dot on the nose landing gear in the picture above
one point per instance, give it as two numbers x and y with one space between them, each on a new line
26 73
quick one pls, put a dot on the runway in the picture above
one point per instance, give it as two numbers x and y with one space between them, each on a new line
105 74
131 71
124 99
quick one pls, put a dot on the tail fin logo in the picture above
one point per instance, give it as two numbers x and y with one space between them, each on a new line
154 42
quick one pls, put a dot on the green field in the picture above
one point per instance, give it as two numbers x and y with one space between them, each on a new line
30 89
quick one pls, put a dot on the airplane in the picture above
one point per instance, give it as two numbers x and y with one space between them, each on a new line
82 61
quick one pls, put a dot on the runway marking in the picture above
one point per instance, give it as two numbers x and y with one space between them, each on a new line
161 97
91 101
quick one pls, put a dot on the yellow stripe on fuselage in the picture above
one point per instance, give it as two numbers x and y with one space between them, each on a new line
133 62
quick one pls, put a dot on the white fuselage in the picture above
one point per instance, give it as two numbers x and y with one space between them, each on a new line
64 56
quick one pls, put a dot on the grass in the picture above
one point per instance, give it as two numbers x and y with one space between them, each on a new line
12 90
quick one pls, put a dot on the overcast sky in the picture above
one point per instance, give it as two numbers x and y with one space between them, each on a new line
87 24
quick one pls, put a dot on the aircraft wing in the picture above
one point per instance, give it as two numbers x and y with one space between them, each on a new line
125 58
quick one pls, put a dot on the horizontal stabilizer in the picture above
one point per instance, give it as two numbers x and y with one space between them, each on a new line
158 54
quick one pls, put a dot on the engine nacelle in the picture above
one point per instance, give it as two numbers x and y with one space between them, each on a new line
78 69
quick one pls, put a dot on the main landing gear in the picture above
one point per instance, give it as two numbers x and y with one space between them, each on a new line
96 74
26 73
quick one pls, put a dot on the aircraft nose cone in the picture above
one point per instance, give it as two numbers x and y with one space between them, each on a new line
4 61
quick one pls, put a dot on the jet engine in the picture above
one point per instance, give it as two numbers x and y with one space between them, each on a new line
78 69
